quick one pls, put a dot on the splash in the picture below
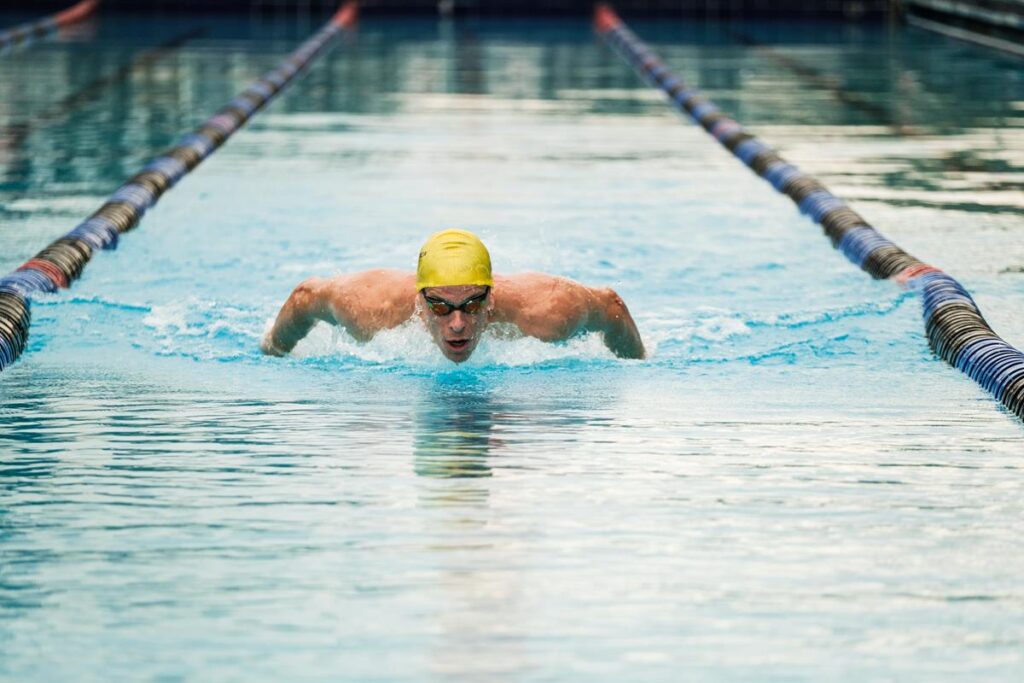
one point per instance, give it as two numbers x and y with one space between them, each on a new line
410 345
704 326
209 330
202 329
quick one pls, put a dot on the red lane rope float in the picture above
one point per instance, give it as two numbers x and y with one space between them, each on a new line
77 12
48 269
956 329
25 33
62 262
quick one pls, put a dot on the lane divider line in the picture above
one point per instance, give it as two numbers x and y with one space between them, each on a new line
956 329
62 262
23 34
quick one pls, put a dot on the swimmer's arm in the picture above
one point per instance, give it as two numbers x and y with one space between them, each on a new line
556 309
362 303
307 304
608 314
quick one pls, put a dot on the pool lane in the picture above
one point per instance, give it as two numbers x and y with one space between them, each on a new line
62 262
957 331
775 495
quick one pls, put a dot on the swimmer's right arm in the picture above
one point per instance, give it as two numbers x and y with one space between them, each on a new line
307 304
362 303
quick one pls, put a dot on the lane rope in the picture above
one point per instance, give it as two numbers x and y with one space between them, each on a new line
956 329
62 262
24 34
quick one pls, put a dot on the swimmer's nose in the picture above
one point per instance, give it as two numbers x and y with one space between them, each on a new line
457 323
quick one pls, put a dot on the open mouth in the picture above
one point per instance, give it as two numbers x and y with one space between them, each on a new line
457 344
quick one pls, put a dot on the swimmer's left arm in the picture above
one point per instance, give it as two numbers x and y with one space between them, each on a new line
556 309
608 314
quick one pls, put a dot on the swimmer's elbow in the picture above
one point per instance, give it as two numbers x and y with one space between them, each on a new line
307 300
612 307
620 332
304 294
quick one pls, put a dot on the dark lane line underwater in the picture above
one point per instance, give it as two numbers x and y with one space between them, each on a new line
14 134
831 84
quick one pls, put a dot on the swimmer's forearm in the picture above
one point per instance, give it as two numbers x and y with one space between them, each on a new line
300 312
620 333
284 335
624 340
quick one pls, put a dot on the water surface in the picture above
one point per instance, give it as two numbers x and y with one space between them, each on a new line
792 487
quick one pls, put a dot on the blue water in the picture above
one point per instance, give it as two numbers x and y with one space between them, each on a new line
791 487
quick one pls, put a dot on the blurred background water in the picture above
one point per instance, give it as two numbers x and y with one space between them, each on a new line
791 487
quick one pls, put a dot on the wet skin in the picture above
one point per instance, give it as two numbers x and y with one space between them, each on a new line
544 306
458 332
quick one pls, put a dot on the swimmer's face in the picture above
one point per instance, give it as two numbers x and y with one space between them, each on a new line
456 332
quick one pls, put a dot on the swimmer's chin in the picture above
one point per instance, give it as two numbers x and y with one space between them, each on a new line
457 350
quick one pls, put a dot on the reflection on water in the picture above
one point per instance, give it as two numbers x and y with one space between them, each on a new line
453 432
481 550
453 423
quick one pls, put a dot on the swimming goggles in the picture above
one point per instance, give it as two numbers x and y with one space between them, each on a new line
471 305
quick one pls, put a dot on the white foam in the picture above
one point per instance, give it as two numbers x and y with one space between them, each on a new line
169 319
200 328
410 344
703 324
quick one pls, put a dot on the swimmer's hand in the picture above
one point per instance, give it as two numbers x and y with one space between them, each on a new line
267 346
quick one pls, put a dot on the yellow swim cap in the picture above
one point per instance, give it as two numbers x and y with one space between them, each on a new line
453 257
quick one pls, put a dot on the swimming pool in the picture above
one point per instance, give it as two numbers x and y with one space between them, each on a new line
791 487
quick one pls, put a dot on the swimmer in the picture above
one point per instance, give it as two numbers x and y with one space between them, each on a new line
455 295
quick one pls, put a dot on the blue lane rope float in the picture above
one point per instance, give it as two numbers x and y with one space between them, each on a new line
26 33
956 329
62 262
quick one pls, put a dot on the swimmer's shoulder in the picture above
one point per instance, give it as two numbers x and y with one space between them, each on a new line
372 300
539 301
523 288
378 282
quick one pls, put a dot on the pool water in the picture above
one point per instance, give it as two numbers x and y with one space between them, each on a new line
791 487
